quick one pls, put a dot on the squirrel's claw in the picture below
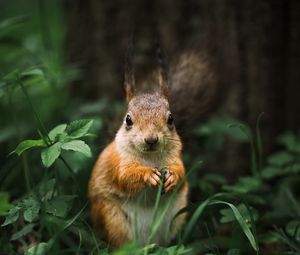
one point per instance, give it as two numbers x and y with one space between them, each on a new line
153 177
171 181
153 181
156 171
168 173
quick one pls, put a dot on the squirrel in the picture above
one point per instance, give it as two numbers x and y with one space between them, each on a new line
129 171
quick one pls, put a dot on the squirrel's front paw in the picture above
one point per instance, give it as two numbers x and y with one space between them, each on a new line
171 180
152 177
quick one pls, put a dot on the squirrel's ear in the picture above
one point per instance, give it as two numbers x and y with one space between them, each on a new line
162 72
129 83
163 84
129 80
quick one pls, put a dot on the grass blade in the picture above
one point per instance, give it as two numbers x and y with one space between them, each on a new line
246 130
212 201
246 229
259 143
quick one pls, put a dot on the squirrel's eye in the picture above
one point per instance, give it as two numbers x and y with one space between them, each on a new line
128 120
170 120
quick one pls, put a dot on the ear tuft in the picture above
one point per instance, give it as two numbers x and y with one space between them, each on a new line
163 85
162 73
129 80
129 84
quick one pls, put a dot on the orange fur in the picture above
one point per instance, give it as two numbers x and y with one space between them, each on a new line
124 170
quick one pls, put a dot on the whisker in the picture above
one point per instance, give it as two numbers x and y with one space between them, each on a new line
172 139
175 141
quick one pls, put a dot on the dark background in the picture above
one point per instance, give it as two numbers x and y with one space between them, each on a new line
255 46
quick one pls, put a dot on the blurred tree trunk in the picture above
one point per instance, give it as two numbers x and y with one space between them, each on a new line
256 44
267 81
97 33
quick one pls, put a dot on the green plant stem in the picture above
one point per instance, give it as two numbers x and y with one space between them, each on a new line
161 185
68 167
253 227
159 192
259 143
24 158
246 130
39 121
253 158
44 130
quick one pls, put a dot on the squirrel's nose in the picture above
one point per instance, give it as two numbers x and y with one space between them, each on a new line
151 140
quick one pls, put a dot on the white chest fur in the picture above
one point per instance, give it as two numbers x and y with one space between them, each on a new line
143 224
140 210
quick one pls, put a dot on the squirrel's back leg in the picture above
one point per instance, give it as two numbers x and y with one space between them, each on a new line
110 222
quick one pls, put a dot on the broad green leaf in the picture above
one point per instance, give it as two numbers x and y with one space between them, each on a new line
33 72
32 208
280 234
90 135
13 216
244 185
233 252
293 168
271 171
296 148
12 21
24 231
268 238
243 223
79 128
79 146
58 130
11 76
27 144
228 216
146 248
39 249
178 250
255 199
289 140
60 205
221 127
49 155
46 189
246 130
5 206
212 201
214 178
293 229
280 158
33 79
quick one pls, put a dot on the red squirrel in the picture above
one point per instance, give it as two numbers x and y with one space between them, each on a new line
132 164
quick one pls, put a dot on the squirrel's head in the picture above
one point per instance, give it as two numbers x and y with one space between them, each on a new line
148 124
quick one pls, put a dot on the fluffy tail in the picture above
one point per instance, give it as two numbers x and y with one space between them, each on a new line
193 88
